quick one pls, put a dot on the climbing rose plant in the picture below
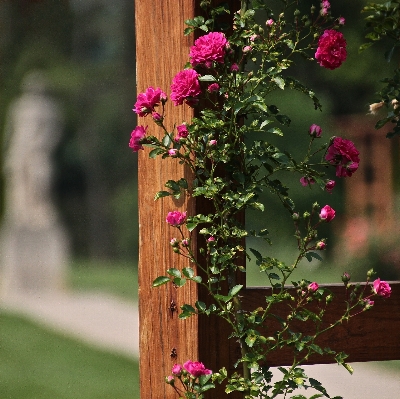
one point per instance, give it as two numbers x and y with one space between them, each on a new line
231 169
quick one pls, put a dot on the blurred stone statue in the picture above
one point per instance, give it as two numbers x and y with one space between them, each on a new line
34 245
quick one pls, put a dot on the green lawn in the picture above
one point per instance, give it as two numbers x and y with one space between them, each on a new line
114 277
38 364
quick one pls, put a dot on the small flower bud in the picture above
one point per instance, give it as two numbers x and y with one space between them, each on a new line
176 250
269 22
185 242
329 299
341 21
321 245
170 380
345 277
306 215
315 131
375 107
211 239
234 67
370 273
247 49
295 216
212 142
315 206
329 186
174 242
313 286
173 152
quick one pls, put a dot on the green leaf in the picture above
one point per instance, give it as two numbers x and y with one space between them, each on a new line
155 152
201 306
234 290
279 81
275 130
315 255
207 78
160 281
188 308
203 379
197 279
256 254
174 272
188 272
179 282
161 194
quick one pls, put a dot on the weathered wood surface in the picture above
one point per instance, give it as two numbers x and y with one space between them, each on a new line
162 51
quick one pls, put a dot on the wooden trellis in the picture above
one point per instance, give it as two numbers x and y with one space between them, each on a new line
161 51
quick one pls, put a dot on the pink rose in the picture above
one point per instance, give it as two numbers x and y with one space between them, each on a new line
313 286
137 135
176 218
213 87
330 185
173 152
247 49
321 245
315 130
185 87
344 155
305 181
269 22
208 48
196 369
327 213
211 239
185 242
177 369
182 132
146 101
212 142
331 51
382 288
341 21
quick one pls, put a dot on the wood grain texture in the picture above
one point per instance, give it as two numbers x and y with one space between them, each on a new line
162 51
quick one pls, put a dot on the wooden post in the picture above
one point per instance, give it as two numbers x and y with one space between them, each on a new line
162 51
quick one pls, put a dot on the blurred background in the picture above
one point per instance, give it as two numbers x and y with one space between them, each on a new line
84 54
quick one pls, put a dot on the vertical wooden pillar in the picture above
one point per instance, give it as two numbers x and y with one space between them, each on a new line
162 51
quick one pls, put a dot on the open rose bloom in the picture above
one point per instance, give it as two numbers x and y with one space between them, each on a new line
176 218
196 369
382 288
138 134
208 49
331 51
185 87
344 155
147 101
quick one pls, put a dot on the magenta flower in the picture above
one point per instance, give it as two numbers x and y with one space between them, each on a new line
182 132
305 181
196 369
247 49
325 6
211 239
313 286
185 87
382 288
177 369
331 51
344 155
173 152
176 218
208 48
234 67
327 213
212 142
213 87
137 135
146 101
341 21
269 22
315 130
330 185
321 245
